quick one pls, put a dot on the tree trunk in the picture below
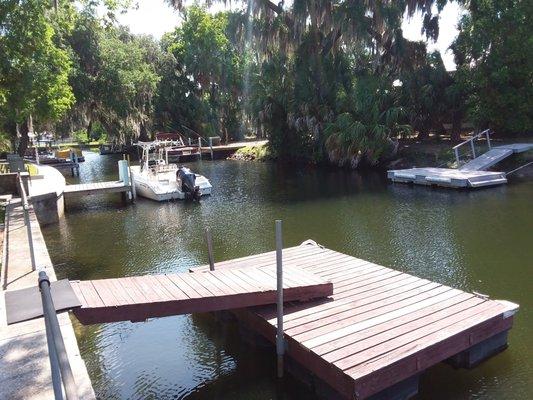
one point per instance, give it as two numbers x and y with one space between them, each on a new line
24 138
89 130
143 132
423 135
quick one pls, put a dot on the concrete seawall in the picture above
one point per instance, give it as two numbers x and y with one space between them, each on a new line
24 362
46 191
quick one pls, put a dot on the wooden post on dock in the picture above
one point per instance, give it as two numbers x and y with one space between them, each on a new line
209 249
280 344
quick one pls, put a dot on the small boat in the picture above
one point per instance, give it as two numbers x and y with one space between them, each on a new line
158 180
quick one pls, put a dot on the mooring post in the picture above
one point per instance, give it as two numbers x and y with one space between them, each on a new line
280 343
209 249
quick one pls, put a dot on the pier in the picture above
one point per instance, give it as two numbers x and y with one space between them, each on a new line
380 329
349 328
86 189
471 174
124 185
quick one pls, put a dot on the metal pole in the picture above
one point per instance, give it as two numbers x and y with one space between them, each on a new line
456 155
209 249
54 362
25 209
473 148
49 312
280 345
488 139
30 237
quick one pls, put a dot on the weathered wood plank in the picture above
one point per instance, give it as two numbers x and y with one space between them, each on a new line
160 295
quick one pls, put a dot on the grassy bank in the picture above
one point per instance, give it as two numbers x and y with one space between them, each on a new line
252 153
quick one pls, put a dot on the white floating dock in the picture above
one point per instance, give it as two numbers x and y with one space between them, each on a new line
447 177
470 175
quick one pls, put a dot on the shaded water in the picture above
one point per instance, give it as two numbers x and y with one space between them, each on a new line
480 240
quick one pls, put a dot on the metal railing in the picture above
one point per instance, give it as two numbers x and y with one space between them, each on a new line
26 210
486 133
62 376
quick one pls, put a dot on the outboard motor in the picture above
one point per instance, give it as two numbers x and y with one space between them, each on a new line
187 179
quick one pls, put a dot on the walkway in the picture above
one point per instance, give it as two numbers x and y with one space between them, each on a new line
24 363
96 188
141 297
494 156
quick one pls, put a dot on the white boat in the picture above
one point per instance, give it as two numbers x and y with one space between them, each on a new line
158 180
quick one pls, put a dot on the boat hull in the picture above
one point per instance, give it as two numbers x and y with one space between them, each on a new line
165 188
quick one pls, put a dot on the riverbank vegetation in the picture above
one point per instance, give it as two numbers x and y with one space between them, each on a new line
333 81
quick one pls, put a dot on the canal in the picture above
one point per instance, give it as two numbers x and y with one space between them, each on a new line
476 241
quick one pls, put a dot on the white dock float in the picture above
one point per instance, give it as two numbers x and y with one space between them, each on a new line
447 177
473 174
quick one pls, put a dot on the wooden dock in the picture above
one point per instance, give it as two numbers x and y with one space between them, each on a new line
84 189
381 328
142 297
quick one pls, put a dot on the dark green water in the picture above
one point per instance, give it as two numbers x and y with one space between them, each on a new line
480 240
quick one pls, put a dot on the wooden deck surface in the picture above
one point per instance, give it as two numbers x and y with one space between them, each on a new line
96 187
379 327
141 297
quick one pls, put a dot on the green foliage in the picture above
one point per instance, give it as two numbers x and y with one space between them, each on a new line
201 77
253 153
363 133
33 68
494 54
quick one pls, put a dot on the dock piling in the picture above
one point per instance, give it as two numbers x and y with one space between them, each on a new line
209 249
280 345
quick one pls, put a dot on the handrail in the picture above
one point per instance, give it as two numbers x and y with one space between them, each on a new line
26 210
60 366
486 132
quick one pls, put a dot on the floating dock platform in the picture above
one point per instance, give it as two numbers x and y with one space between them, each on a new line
471 175
447 177
380 329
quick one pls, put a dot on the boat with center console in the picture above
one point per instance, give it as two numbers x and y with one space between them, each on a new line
155 178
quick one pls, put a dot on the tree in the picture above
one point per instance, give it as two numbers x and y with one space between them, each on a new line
494 56
297 64
33 69
427 95
207 74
